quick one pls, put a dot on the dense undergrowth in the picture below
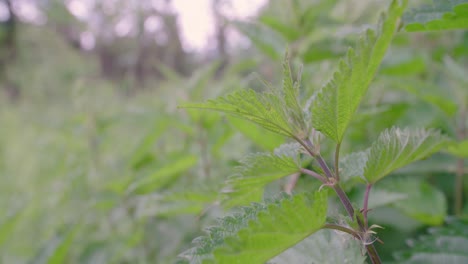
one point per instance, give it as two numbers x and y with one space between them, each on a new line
91 175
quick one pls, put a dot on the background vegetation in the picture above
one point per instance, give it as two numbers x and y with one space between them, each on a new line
97 164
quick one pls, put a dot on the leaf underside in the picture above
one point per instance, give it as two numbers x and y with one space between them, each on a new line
339 99
316 249
447 244
261 231
396 148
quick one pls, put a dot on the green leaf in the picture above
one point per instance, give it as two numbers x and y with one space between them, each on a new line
352 168
163 175
186 202
261 231
260 136
410 196
336 103
459 149
321 50
441 15
142 151
409 66
287 31
420 194
456 72
255 172
57 248
277 110
316 249
264 39
433 94
396 148
448 244
7 226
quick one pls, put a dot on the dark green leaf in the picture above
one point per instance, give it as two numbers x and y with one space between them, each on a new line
448 244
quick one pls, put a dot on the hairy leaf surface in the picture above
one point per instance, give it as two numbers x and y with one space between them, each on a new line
256 171
277 110
352 168
316 249
261 231
441 15
396 148
339 99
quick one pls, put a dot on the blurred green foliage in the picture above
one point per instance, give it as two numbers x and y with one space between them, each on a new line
91 174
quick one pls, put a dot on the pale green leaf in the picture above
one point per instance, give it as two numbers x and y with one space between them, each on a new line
265 40
261 231
459 149
456 72
410 196
288 32
55 250
163 175
260 136
441 15
433 94
255 172
448 244
396 148
186 202
408 66
418 195
352 168
339 99
316 249
7 226
140 153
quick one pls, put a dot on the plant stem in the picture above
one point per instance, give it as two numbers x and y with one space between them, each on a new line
371 251
459 187
324 166
314 174
373 255
342 229
292 183
461 134
366 203
337 160
344 200
308 145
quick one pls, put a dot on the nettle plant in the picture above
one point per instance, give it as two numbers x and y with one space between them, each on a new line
260 231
